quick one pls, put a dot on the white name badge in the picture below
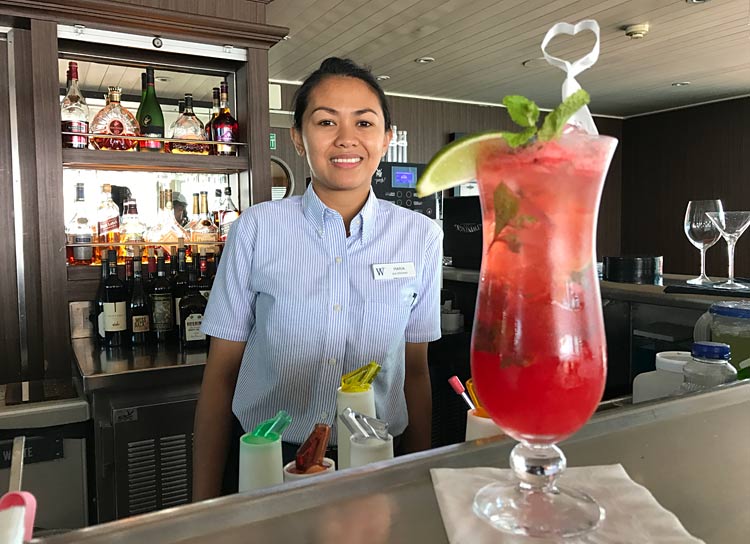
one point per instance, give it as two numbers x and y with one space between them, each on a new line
392 271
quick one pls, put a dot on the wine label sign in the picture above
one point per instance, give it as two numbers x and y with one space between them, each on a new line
113 223
141 323
193 328
161 305
113 317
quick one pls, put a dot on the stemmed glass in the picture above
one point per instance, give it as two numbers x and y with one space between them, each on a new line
731 225
702 232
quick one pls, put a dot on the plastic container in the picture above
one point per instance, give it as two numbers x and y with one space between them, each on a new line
708 368
290 476
362 402
480 427
364 451
665 380
730 324
260 463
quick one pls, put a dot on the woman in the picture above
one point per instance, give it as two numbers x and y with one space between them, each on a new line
298 302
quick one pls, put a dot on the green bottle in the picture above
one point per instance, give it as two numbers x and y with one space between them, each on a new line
150 117
144 86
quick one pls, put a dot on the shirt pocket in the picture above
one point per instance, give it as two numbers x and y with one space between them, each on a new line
382 331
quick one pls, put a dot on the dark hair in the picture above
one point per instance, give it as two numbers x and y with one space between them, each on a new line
334 66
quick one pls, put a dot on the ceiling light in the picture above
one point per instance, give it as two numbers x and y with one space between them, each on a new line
287 37
163 79
696 1
533 63
680 84
382 77
424 60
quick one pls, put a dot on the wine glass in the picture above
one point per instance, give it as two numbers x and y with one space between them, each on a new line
731 225
702 232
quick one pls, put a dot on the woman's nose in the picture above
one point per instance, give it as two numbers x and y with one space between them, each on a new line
346 136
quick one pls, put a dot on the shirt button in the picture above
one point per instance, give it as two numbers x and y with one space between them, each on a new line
331 361
338 260
320 233
324 415
336 307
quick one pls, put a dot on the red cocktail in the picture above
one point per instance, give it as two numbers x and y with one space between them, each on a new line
538 349
538 354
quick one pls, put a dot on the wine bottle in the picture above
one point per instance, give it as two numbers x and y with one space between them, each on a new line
144 86
151 118
204 279
192 309
139 308
180 284
162 310
225 128
228 214
111 302
74 113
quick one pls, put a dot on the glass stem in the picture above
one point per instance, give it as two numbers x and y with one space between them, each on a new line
730 252
537 466
703 261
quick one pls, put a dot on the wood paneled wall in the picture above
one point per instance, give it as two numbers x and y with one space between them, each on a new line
239 10
674 157
429 123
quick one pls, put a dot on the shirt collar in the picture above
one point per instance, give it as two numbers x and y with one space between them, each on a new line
315 211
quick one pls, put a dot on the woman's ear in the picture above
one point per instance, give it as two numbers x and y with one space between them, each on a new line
387 141
299 145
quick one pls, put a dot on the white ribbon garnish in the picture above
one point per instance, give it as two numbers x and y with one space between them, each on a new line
582 117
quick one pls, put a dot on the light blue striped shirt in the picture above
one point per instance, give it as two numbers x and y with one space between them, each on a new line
304 297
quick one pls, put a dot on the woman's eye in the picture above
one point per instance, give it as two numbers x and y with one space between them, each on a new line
326 123
365 124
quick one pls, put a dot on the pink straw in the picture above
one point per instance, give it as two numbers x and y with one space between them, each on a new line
458 387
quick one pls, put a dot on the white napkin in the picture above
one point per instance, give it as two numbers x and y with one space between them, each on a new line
11 525
633 514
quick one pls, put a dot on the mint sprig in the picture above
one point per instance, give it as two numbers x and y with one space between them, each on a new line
525 113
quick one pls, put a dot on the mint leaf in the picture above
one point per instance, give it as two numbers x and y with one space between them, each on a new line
516 139
506 207
555 121
522 110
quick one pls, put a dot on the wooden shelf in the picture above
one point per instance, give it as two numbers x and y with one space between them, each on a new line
89 159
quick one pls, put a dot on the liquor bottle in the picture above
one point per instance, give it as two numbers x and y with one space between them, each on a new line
192 309
229 214
162 303
107 220
129 267
173 264
205 230
195 215
181 108
131 229
115 120
180 283
172 232
189 127
144 85
204 279
217 211
150 268
74 113
111 302
214 114
139 308
79 231
151 118
225 128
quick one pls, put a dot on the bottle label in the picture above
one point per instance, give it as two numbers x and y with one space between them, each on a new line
75 142
100 324
226 223
154 132
205 293
193 328
224 134
111 224
116 127
205 237
81 253
114 318
141 323
161 307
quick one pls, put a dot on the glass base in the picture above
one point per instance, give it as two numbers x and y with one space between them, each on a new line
732 285
561 513
531 503
701 280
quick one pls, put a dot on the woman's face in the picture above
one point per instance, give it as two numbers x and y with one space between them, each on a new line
343 134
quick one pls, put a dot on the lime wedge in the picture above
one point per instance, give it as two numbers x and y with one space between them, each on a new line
455 164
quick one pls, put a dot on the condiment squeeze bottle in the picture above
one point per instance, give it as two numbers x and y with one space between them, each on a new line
312 451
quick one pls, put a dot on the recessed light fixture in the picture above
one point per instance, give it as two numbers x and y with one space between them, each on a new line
533 63
163 79
696 1
424 60
287 37
382 77
680 84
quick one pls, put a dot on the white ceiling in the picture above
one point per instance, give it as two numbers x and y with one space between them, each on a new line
479 46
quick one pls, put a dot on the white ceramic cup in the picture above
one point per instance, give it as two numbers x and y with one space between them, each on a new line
362 402
480 427
292 476
364 451
260 463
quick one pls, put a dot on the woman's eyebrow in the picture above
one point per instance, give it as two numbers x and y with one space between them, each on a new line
334 111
